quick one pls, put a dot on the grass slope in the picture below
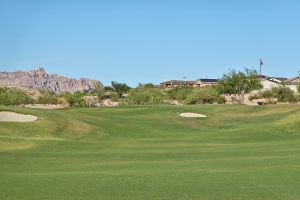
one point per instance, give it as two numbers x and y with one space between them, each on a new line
136 153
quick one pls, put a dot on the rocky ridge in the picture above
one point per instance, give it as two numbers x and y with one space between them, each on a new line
39 79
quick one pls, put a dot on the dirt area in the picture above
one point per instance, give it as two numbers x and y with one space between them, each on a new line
109 103
16 117
44 106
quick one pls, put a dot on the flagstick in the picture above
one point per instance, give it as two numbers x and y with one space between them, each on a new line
260 67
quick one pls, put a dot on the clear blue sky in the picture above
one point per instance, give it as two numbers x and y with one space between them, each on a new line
150 41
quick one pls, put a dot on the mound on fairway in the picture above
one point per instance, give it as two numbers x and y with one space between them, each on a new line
16 117
192 115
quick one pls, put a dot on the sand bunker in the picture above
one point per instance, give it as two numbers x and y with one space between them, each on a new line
190 114
16 117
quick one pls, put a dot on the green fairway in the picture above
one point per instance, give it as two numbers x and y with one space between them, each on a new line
237 152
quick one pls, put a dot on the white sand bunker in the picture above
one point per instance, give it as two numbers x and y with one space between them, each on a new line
16 117
190 114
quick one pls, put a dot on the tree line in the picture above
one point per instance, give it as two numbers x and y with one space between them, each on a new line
16 96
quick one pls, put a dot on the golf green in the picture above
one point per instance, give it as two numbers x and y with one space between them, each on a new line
143 152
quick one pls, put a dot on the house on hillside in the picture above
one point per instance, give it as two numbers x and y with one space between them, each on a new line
196 83
202 82
294 80
269 82
176 83
293 83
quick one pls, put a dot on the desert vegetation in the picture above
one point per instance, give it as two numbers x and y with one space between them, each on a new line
232 87
14 96
47 97
277 94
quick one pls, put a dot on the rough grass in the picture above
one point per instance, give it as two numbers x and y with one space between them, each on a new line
238 152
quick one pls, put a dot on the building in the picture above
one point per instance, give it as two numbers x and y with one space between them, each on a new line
176 83
293 83
196 83
269 82
294 80
205 82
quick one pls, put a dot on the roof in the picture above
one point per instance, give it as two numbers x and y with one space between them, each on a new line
208 80
273 79
292 79
188 82
177 82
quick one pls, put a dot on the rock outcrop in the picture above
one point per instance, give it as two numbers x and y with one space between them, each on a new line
39 79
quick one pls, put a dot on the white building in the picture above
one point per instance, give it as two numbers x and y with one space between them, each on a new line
269 82
293 84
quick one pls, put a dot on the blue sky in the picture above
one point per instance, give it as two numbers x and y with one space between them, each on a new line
150 41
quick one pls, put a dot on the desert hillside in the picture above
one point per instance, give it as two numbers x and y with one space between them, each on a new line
39 79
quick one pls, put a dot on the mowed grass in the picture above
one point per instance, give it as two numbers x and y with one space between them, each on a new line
136 153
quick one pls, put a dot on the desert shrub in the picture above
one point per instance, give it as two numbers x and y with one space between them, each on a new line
46 97
74 100
146 85
266 94
145 96
91 101
221 99
98 90
283 94
61 100
14 96
108 88
179 93
113 96
206 95
137 97
252 97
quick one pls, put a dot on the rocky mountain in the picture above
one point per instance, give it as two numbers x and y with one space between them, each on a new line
39 79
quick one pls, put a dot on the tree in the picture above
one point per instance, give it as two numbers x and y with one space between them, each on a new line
14 96
120 88
179 93
284 94
74 100
46 97
239 83
99 90
146 85
142 96
205 95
